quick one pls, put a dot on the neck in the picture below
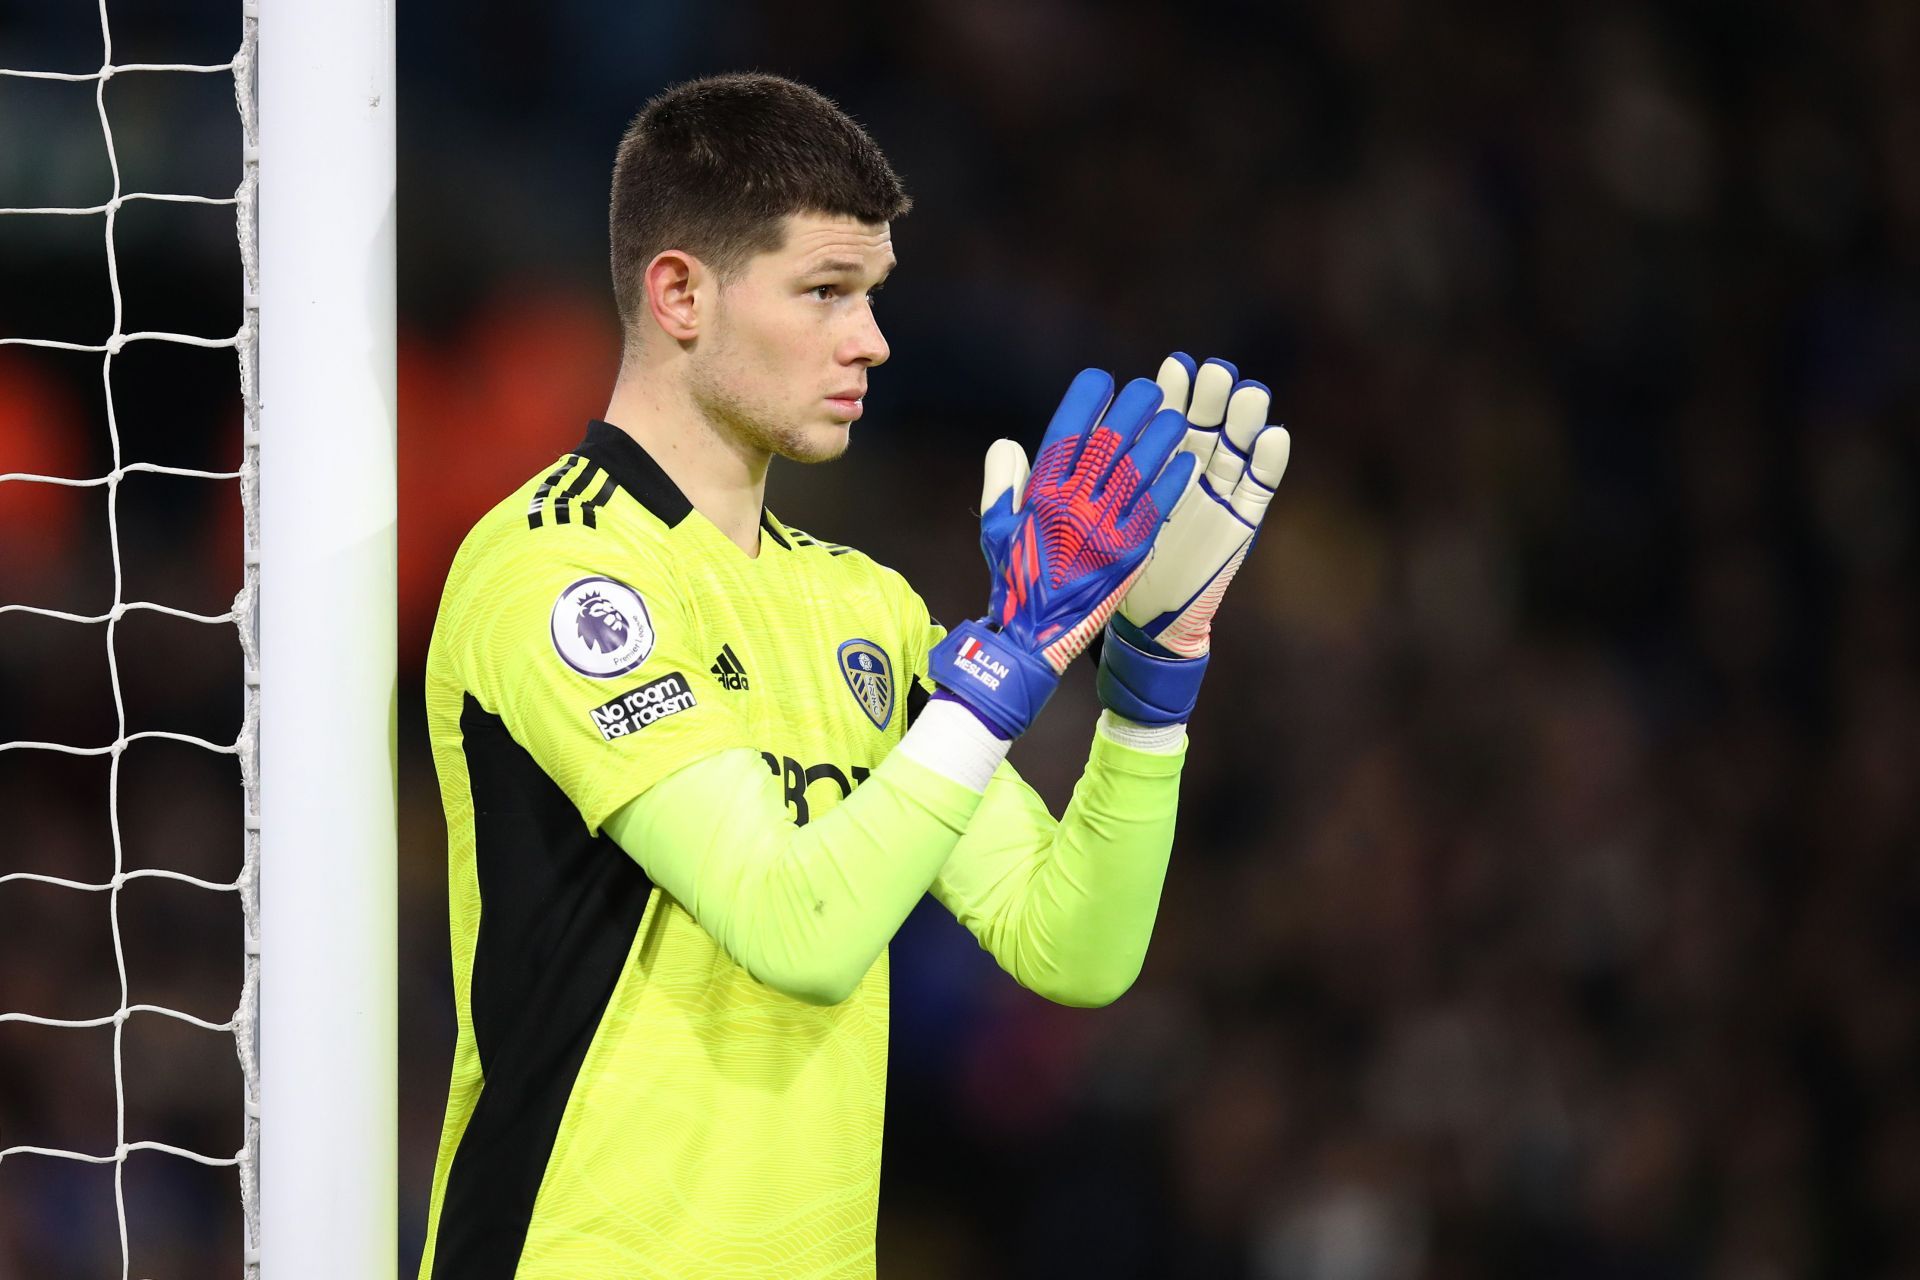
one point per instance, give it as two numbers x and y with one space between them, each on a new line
724 479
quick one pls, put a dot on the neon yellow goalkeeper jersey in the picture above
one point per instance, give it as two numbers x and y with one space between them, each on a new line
626 1101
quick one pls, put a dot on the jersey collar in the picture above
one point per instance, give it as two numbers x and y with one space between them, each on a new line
634 470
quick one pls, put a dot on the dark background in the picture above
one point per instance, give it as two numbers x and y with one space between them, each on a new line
1546 899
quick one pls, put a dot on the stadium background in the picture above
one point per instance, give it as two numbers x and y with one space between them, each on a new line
1546 899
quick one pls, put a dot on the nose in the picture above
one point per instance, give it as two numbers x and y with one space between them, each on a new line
867 345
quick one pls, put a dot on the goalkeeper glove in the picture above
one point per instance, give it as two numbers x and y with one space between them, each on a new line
1062 544
1155 651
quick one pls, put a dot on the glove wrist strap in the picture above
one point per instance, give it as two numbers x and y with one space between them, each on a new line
1145 687
999 681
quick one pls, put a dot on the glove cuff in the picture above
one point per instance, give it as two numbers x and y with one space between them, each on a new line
1145 687
999 681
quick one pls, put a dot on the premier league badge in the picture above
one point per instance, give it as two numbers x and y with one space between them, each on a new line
870 676
601 628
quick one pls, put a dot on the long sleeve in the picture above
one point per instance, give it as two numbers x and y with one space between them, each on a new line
1068 907
804 909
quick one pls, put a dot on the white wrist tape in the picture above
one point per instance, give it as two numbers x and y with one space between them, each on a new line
950 740
1162 739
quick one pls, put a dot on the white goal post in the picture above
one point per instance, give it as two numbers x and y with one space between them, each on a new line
328 891
315 1023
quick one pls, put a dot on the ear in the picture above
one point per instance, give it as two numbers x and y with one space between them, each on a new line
676 284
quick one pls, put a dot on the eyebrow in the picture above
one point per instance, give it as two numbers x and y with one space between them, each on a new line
845 266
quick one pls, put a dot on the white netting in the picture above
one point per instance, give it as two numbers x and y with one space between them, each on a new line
243 616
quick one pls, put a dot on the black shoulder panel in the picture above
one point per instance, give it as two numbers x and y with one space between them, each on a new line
558 914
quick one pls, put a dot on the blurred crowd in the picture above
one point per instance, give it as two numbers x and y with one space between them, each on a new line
1546 901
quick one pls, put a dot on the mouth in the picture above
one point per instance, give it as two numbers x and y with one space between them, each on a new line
847 404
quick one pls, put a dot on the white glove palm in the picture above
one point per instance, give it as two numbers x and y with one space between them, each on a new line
1239 461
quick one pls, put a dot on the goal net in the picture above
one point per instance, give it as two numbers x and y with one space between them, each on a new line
151 1049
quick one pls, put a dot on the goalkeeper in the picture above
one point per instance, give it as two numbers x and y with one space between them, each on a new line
698 766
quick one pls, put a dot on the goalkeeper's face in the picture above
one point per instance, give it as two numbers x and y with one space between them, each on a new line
783 366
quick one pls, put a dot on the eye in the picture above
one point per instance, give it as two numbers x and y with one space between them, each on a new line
825 292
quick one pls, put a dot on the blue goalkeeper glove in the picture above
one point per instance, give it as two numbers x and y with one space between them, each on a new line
1156 647
1062 544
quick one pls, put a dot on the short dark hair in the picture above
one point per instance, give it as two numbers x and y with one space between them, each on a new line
714 166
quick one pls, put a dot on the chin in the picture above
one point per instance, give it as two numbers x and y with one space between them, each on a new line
816 444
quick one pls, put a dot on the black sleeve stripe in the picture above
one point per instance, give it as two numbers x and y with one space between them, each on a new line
574 490
546 487
590 509
801 538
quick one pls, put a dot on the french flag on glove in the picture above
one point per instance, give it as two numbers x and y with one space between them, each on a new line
1002 685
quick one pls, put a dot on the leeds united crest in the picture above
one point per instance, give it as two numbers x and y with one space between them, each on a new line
870 676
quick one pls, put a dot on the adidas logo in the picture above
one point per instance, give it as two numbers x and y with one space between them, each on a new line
728 670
